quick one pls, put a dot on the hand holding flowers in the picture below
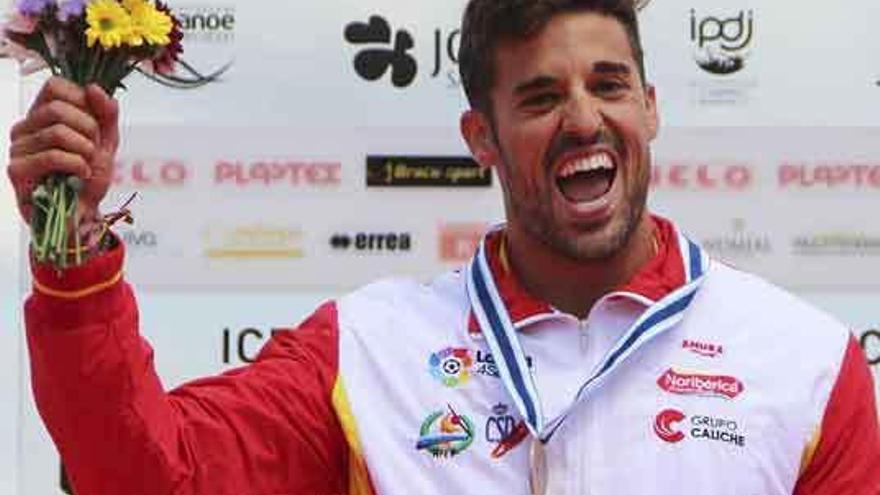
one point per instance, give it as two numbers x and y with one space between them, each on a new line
70 135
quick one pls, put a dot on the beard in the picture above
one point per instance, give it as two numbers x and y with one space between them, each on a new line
537 218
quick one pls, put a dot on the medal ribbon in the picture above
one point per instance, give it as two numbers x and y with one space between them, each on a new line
500 334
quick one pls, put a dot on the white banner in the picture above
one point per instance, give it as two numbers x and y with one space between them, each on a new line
326 154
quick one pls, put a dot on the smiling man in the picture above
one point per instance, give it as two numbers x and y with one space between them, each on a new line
589 346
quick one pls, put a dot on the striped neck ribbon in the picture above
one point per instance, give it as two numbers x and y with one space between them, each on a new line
500 334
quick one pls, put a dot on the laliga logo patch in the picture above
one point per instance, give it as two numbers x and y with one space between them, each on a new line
451 366
698 384
664 425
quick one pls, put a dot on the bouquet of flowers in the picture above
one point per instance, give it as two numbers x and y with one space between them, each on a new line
85 41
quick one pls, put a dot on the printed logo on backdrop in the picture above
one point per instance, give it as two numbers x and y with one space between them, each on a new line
698 175
836 244
870 342
253 242
722 42
243 345
139 241
426 171
738 244
209 36
372 242
673 426
457 242
383 50
166 173
277 173
829 175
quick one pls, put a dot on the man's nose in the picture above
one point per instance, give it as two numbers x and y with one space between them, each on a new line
582 116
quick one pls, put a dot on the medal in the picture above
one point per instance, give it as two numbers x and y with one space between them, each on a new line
501 335
537 468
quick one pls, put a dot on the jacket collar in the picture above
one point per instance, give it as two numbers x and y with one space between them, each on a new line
661 275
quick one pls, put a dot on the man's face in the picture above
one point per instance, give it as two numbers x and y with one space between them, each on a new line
572 126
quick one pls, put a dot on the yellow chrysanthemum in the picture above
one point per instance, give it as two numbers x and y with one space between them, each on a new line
149 25
108 22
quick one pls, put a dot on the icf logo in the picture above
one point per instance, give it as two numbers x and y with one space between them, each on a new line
380 54
721 45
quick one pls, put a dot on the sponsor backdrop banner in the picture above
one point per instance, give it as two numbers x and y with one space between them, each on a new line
325 153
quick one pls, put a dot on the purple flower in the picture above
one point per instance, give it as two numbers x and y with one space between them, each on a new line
70 8
32 7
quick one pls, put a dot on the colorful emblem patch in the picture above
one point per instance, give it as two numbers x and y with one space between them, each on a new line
445 433
451 366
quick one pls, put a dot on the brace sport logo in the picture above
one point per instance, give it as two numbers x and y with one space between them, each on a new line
451 366
445 433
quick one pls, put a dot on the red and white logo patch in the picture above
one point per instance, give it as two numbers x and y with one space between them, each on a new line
664 425
705 349
699 384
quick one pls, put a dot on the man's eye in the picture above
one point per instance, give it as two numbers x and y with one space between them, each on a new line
609 87
539 100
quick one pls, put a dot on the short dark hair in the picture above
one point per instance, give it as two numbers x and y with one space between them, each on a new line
488 22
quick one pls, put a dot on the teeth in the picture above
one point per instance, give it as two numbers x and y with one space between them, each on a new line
599 161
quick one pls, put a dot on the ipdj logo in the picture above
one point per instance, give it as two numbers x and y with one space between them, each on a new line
380 55
445 433
389 241
722 44
451 366
664 425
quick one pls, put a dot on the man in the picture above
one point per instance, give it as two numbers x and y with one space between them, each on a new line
588 348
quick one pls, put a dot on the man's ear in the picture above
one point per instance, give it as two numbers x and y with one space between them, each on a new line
477 133
653 114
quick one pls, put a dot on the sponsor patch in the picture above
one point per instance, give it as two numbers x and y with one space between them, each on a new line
445 433
451 366
706 349
700 384
674 426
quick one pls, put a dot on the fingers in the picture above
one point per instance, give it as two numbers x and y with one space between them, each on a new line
57 136
57 88
56 112
31 169
106 110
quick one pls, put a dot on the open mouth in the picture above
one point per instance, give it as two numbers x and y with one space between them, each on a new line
587 178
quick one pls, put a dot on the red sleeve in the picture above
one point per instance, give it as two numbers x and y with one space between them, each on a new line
265 428
847 456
